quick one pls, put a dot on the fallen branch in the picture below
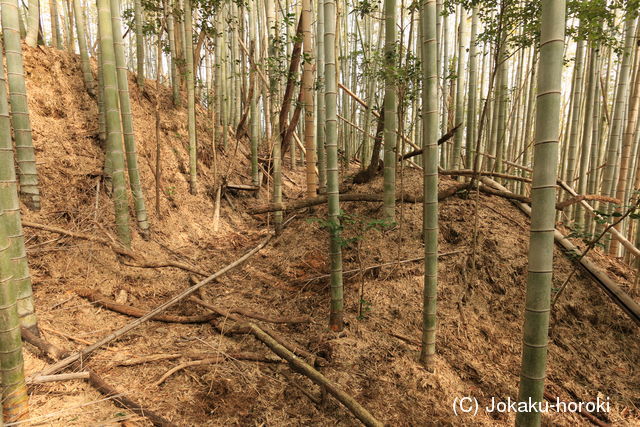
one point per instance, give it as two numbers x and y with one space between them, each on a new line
354 272
469 172
124 402
241 187
303 368
60 377
46 347
192 355
135 323
615 233
241 328
102 301
577 199
212 361
299 365
95 380
115 247
270 319
354 197
552 399
444 138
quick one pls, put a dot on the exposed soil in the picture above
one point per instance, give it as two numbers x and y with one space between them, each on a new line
594 349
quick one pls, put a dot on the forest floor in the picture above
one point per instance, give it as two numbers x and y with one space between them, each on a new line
594 350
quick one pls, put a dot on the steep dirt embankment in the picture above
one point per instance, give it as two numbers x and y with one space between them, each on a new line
594 348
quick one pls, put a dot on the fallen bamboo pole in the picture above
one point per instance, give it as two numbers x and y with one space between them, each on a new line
303 368
624 301
615 233
353 197
57 367
59 377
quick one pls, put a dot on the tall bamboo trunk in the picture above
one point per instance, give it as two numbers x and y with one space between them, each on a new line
331 135
113 124
127 121
320 101
307 87
473 91
25 154
56 38
390 110
430 165
33 24
543 195
84 52
191 100
9 203
138 21
14 389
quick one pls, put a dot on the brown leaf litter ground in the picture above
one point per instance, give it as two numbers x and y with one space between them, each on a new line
594 349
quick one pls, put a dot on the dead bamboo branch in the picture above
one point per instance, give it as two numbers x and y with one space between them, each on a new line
615 233
124 402
577 199
101 300
60 377
251 357
57 367
46 347
444 138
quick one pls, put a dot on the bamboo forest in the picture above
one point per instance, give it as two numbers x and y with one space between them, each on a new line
320 212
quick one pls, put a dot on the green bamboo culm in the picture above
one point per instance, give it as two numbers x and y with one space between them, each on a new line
15 400
127 121
543 201
191 100
137 10
430 166
113 125
320 108
56 37
175 79
390 109
10 205
25 154
331 140
89 82
473 92
33 23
